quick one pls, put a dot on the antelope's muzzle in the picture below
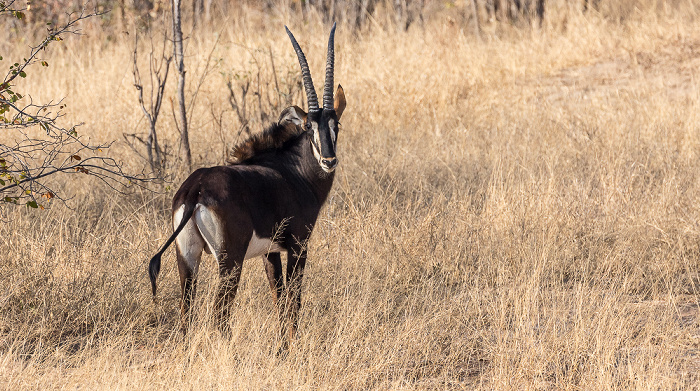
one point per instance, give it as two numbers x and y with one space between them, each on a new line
329 164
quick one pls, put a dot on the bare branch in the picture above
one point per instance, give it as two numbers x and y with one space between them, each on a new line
158 79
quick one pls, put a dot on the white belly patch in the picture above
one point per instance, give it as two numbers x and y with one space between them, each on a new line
260 246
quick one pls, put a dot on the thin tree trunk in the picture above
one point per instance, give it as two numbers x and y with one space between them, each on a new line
207 10
332 11
307 16
180 65
421 8
477 26
399 11
197 6
590 4
540 11
122 13
493 7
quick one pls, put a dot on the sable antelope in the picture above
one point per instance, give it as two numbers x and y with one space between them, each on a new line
265 201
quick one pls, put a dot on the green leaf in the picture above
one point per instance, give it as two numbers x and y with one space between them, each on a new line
43 63
22 74
2 182
32 204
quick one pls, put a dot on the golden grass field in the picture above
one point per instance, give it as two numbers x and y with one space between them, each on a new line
516 212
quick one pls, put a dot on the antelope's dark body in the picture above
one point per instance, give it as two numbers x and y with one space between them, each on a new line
280 186
266 201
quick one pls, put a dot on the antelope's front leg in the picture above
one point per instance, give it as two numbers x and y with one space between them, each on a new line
296 261
273 270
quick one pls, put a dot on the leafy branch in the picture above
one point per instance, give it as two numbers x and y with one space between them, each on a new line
39 146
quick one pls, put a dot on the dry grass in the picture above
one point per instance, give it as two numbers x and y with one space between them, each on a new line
517 213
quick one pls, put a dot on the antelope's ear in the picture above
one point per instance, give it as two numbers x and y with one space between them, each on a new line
293 114
339 103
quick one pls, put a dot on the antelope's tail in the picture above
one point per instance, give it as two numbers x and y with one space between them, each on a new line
154 265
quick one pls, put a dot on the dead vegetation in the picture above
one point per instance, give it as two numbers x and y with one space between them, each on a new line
516 212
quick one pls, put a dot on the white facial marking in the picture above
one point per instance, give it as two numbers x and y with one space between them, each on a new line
189 241
260 246
317 137
331 126
317 141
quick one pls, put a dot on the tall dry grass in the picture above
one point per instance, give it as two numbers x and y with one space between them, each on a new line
520 212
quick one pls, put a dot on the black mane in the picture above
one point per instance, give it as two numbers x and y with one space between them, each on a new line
270 139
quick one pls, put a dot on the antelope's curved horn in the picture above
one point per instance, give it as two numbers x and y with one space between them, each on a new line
305 74
328 86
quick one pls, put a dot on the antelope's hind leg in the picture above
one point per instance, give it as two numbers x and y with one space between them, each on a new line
189 246
228 247
230 267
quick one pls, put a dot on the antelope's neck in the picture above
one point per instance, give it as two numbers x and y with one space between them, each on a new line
319 181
